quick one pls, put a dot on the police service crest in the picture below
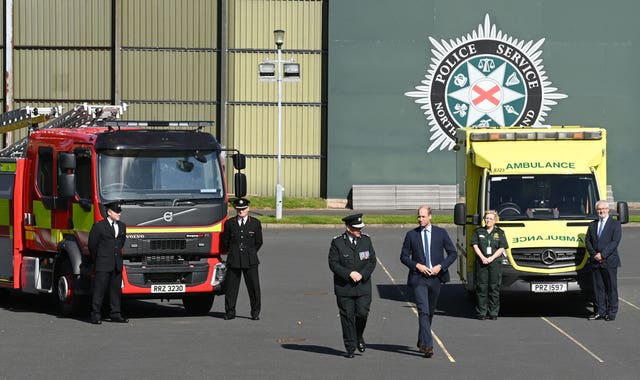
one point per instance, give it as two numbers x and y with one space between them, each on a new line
485 78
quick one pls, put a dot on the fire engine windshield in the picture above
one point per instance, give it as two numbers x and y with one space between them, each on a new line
519 197
159 175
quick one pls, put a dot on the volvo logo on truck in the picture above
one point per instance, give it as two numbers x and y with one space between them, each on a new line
485 78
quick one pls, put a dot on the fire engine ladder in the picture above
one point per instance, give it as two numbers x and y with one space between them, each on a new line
22 118
79 116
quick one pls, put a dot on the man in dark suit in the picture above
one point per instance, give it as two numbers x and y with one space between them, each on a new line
603 236
423 253
241 239
352 260
106 240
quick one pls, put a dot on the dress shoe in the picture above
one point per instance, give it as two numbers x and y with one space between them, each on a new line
481 317
428 352
422 348
96 321
120 320
255 318
361 345
609 318
596 316
493 317
228 317
349 355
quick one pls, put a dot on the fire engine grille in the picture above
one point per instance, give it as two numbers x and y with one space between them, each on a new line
548 258
168 244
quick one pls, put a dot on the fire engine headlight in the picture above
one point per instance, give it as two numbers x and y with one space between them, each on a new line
219 272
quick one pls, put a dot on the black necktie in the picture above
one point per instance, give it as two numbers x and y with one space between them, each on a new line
241 222
113 229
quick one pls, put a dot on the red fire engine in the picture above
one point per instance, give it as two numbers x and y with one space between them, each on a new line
170 182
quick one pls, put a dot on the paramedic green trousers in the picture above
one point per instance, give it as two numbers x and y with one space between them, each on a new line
488 281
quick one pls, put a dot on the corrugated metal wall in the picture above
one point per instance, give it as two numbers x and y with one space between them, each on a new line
252 105
162 57
169 59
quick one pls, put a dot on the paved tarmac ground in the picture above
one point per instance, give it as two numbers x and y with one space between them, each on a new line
298 336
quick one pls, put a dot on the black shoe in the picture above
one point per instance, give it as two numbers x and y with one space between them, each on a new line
481 317
349 355
595 317
428 352
609 318
362 346
120 320
255 318
493 317
228 317
422 348
96 321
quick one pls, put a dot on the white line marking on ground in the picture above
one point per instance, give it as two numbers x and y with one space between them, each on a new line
629 303
573 340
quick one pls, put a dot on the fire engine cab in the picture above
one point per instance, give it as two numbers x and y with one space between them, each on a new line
169 178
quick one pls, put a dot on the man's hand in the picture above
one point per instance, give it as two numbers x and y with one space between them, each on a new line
598 257
355 276
424 269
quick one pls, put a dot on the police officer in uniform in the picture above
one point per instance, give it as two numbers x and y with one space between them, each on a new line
241 239
489 243
352 260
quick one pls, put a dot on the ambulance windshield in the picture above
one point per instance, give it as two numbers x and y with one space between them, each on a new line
519 197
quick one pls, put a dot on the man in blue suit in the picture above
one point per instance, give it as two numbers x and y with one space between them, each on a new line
603 236
423 253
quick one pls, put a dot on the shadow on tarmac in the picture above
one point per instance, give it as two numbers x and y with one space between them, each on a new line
455 301
315 349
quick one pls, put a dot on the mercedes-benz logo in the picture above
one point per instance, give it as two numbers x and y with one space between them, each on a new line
548 257
168 216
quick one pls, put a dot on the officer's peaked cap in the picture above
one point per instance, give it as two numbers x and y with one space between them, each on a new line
354 221
114 206
240 203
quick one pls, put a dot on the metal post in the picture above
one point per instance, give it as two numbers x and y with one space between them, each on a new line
8 59
279 189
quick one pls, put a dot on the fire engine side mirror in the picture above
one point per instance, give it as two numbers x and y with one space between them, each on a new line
66 161
66 177
240 185
239 161
66 185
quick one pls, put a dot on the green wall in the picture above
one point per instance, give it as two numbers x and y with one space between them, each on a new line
379 50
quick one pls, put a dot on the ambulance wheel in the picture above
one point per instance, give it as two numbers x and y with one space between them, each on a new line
199 304
69 304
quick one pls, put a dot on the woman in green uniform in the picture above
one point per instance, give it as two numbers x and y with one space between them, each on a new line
489 243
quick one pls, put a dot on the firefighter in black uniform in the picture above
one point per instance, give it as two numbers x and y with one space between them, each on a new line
241 239
352 260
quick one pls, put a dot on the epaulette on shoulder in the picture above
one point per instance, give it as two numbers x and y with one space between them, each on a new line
363 234
337 236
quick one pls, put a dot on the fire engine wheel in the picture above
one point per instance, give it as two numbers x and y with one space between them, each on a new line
68 302
199 304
